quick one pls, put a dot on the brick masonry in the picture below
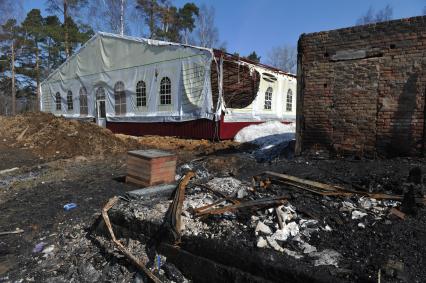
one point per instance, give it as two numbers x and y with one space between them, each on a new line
362 89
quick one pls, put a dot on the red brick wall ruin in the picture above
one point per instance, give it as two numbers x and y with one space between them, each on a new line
362 89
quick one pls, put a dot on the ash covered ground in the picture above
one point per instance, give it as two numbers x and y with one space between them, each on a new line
325 238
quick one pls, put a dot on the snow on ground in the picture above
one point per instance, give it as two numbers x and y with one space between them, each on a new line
271 137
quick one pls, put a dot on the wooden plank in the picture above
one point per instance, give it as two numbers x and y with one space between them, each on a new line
278 200
303 181
151 171
137 163
131 180
293 185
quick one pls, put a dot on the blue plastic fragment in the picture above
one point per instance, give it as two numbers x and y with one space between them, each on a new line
158 262
69 206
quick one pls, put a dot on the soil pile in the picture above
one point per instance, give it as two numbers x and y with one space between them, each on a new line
199 147
50 136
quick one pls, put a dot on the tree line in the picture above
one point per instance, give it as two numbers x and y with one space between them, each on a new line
33 45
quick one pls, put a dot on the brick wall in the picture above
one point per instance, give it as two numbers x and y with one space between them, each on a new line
362 89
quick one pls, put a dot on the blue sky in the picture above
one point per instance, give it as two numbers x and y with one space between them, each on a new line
259 25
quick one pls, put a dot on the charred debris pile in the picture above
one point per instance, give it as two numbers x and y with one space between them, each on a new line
276 228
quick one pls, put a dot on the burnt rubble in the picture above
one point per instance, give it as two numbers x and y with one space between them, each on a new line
237 228
304 238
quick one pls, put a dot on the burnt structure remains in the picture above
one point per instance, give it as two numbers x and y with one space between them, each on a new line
362 89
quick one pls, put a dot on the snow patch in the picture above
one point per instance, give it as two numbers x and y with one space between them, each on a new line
271 138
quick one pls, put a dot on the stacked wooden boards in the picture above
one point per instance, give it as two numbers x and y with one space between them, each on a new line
150 167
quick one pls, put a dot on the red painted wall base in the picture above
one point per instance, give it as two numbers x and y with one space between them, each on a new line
197 129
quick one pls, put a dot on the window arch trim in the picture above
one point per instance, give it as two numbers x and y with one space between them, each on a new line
289 101
70 101
141 99
120 98
84 107
165 91
58 101
268 98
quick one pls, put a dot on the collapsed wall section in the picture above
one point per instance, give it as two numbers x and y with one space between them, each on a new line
362 89
240 84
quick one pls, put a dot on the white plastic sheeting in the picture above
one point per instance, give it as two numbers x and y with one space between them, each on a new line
107 59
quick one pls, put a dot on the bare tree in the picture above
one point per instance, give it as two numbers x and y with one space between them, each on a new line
206 33
370 17
110 15
283 57
10 10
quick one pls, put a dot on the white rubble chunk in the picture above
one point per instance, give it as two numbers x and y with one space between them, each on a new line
347 206
356 214
290 229
286 216
305 223
281 235
273 244
293 228
291 253
227 185
367 203
290 208
262 227
261 242
242 193
48 250
361 225
326 257
327 228
307 248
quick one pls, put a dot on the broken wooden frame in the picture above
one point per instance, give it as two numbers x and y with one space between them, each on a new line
138 263
256 204
176 207
326 189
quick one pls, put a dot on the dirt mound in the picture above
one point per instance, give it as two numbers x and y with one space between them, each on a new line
198 147
50 136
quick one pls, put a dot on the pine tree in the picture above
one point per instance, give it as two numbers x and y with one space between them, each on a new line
10 42
34 32
66 8
253 57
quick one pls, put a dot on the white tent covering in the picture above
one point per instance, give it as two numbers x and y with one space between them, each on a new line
112 62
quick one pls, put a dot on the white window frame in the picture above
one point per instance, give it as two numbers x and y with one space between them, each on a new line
289 101
166 106
121 93
84 105
58 101
141 100
70 101
268 99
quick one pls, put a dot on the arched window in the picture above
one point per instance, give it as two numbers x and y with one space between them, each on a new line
165 91
70 104
268 98
100 93
120 98
58 101
289 101
84 109
140 94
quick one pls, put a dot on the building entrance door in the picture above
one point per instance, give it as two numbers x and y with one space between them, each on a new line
100 107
